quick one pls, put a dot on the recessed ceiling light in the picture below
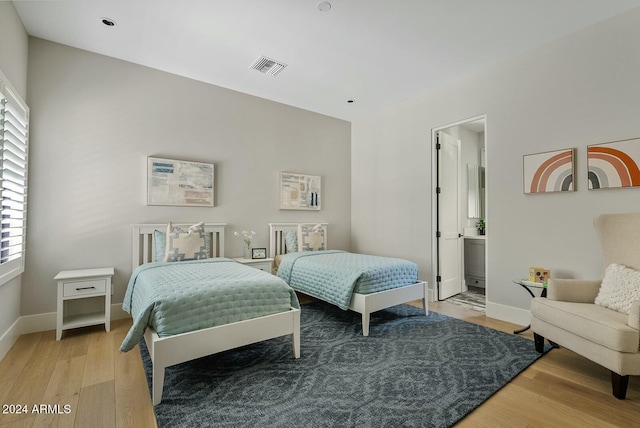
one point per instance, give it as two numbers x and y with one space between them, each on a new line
108 22
324 6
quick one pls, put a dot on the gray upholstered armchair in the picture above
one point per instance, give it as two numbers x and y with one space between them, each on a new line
569 317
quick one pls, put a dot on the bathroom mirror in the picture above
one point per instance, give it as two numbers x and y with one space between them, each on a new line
475 191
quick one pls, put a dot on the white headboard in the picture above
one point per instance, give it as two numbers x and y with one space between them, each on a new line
276 238
144 250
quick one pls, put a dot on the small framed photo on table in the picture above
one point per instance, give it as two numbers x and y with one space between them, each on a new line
258 253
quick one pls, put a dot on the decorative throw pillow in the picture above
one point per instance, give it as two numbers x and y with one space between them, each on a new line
290 241
310 238
620 287
185 244
159 245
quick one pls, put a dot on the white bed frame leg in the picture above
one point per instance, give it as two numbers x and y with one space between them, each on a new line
157 366
366 317
158 382
296 334
365 323
425 299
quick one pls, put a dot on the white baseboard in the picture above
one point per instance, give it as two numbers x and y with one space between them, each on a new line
432 293
44 322
497 311
508 313
36 323
9 338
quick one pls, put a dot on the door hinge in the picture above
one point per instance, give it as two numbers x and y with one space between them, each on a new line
438 146
438 278
438 189
438 234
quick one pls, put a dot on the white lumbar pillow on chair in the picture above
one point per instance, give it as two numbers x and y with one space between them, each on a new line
620 287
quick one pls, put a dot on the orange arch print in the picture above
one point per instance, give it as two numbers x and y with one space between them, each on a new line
548 167
624 165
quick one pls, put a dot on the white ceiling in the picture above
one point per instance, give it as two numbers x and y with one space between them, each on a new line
378 53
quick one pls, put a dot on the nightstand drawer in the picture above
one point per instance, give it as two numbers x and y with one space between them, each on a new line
260 264
265 266
80 288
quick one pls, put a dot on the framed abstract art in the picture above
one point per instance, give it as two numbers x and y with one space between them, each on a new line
300 191
614 165
179 183
549 171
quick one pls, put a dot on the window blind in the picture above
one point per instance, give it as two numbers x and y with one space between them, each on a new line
14 143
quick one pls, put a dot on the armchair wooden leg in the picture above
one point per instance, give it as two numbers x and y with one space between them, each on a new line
539 341
619 384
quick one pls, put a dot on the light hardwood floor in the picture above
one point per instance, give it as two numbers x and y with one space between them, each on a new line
107 388
103 386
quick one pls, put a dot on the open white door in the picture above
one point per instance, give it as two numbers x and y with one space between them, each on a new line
449 239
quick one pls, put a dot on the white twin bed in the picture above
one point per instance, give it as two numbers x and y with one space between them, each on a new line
361 303
178 348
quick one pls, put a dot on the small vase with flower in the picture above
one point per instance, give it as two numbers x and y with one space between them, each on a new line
247 236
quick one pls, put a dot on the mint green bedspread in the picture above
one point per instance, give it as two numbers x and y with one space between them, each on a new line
334 275
179 297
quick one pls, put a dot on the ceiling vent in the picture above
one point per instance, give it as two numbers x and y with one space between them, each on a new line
268 66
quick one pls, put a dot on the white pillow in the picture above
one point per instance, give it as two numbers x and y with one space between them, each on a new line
160 243
310 238
620 287
185 244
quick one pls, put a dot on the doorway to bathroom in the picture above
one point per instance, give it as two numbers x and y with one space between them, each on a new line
459 201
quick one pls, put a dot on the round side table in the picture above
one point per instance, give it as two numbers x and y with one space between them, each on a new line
528 285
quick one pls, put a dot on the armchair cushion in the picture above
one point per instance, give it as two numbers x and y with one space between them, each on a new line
620 287
595 323
573 290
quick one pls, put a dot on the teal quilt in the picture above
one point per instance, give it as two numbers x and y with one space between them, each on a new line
179 297
334 275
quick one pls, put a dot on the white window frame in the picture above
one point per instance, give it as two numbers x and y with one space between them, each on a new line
13 111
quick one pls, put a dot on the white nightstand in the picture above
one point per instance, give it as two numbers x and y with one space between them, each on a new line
262 264
82 284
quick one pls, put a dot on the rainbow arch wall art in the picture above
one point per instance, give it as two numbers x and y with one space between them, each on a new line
614 165
549 172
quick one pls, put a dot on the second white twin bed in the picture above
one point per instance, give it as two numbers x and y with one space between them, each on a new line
359 282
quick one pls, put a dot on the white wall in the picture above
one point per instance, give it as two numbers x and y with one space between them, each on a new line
580 90
94 121
14 48
13 64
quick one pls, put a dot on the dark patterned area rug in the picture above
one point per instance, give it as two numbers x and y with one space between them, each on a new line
412 371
